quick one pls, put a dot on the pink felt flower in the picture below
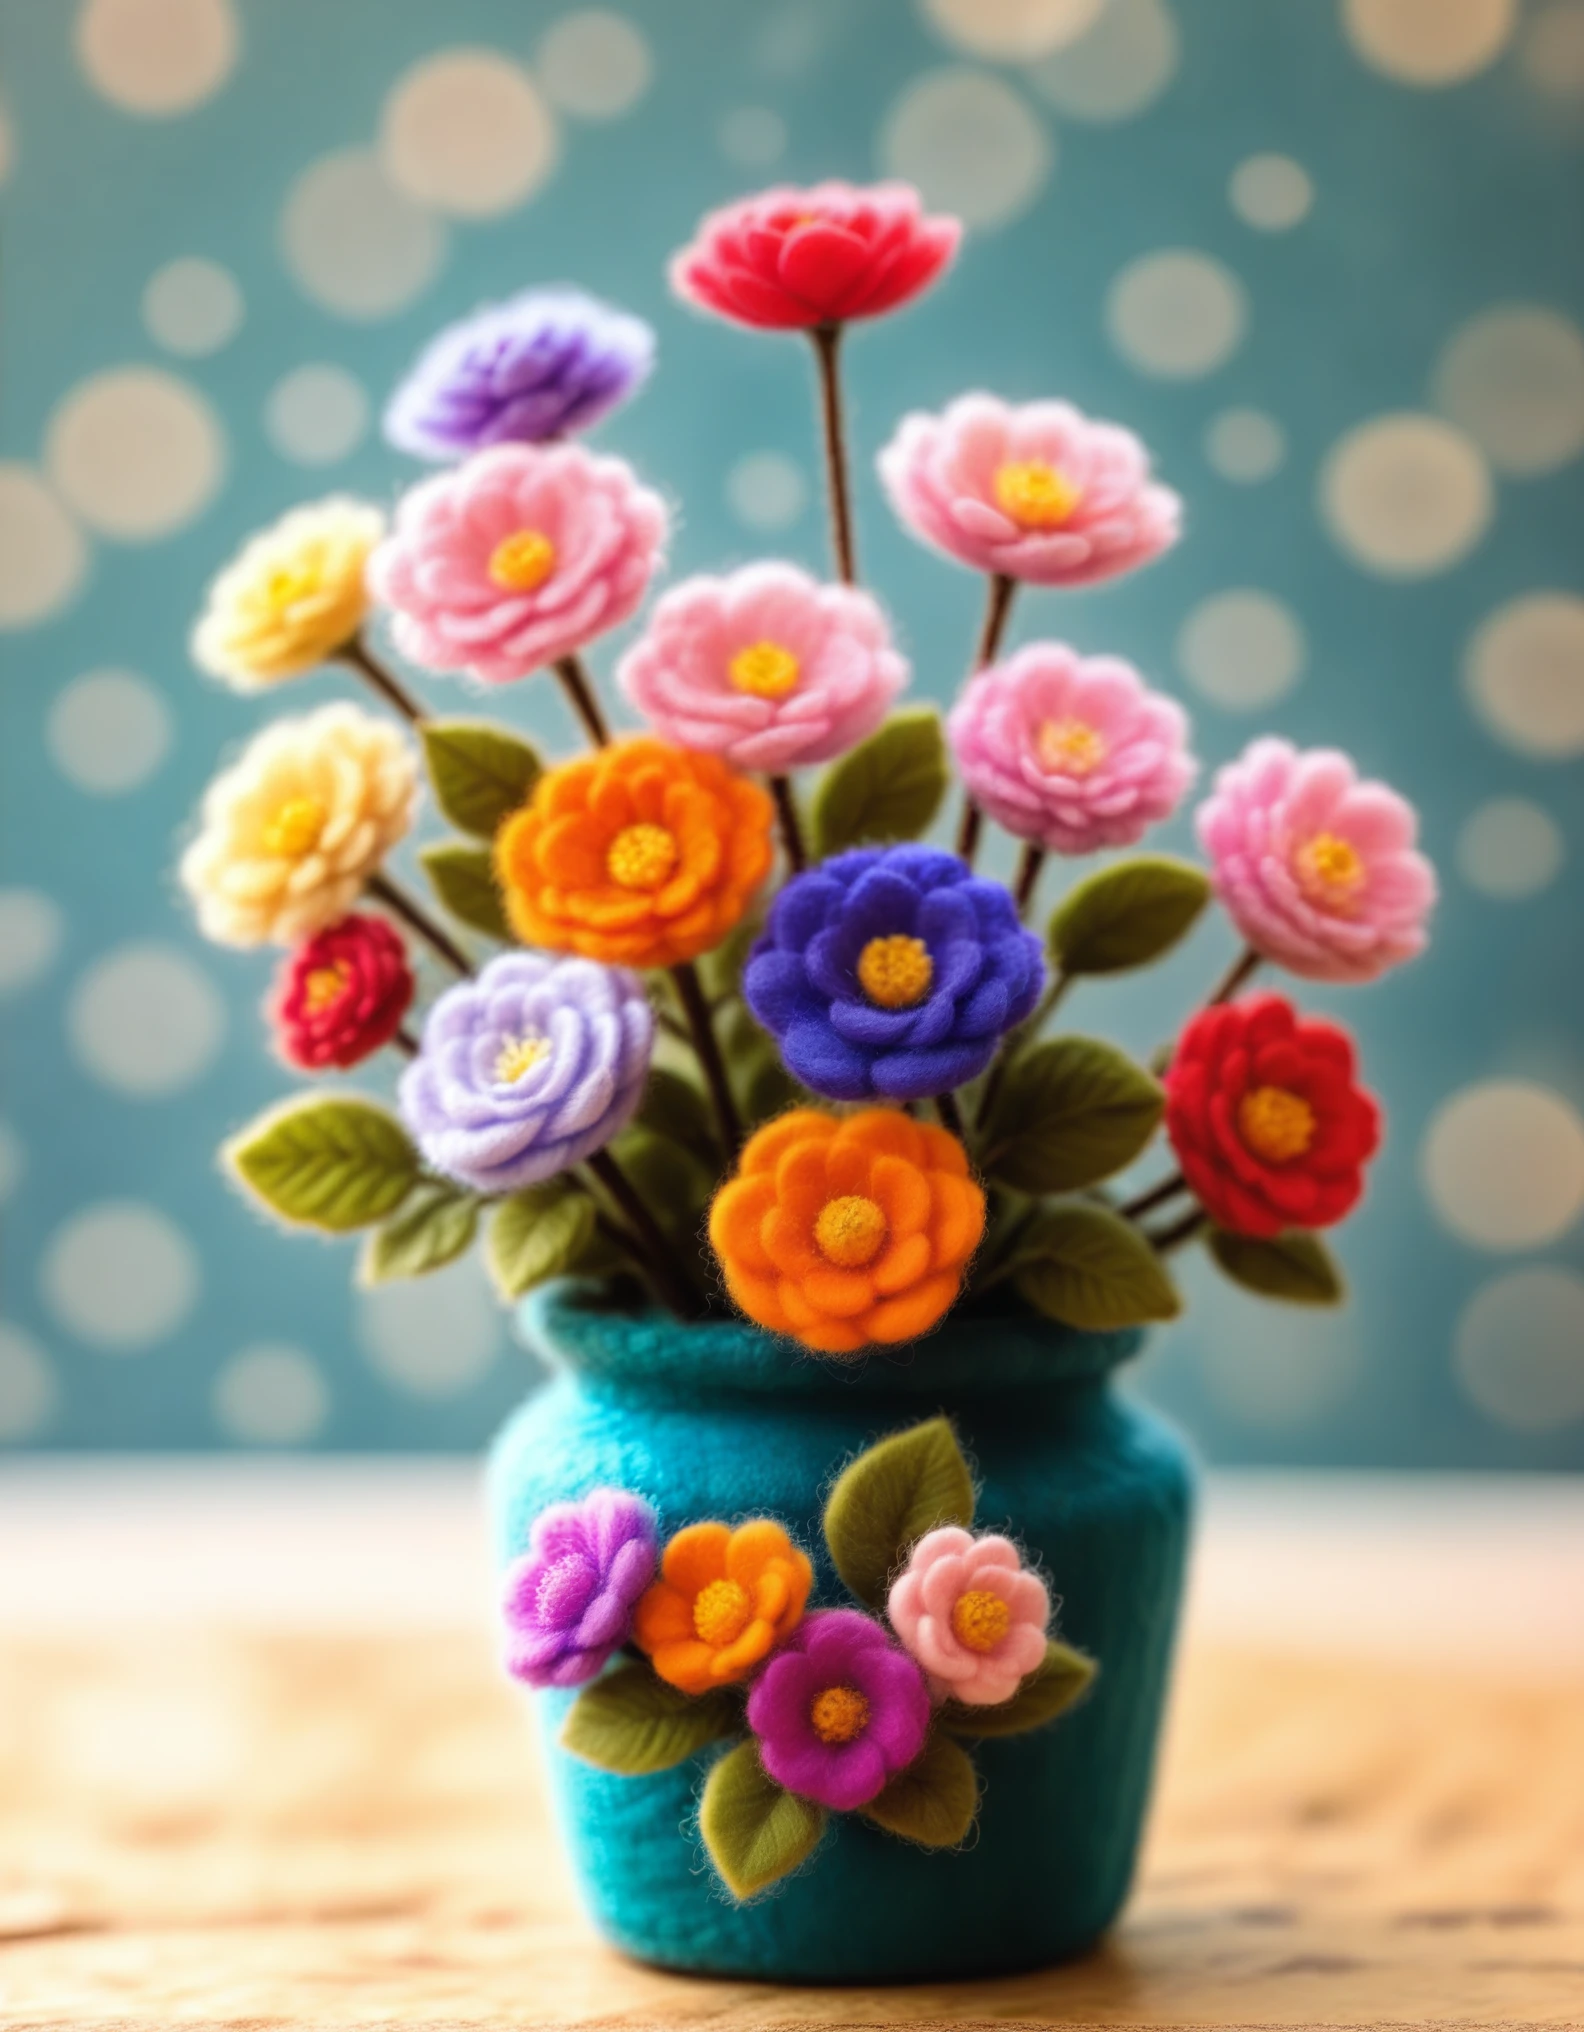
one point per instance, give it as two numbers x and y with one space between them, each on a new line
1071 752
1315 868
971 1613
516 557
1035 492
767 668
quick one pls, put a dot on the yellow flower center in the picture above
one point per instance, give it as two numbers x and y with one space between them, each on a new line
721 1611
1035 495
641 856
1330 870
325 985
286 585
839 1714
849 1231
765 669
521 562
980 1619
1276 1124
520 1056
294 828
895 972
1069 748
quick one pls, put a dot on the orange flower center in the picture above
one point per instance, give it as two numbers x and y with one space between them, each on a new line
1275 1124
980 1619
641 856
838 1714
325 985
1069 748
1330 870
1035 495
895 972
850 1231
764 669
294 828
521 562
520 1056
721 1611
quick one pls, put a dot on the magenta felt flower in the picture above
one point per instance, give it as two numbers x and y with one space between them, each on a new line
839 1710
1035 492
1317 869
1071 752
767 667
971 1613
517 557
569 1600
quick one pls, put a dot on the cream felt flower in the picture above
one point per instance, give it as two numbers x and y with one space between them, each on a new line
292 596
293 830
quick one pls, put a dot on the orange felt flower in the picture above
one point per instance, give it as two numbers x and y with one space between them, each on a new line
842 1232
641 855
723 1599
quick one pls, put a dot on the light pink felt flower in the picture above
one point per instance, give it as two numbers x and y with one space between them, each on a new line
767 668
1035 492
972 1615
1072 752
516 557
1315 868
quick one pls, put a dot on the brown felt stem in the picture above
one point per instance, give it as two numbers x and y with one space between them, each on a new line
380 886
1028 874
575 682
1181 1231
791 826
1234 977
405 1041
1168 1188
711 1064
827 355
357 656
951 1115
998 609
658 1256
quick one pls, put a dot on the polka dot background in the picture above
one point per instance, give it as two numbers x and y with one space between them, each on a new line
1322 258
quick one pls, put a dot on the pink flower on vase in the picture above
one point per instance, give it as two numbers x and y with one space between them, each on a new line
972 1615
1070 752
1035 492
767 668
516 558
1316 868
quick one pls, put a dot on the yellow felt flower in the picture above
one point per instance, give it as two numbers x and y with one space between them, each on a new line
292 596
291 832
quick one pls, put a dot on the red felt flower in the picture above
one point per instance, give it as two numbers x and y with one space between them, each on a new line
342 995
1266 1120
789 259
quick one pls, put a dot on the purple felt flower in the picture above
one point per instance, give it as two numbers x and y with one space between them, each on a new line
892 971
528 1069
541 365
570 1598
839 1710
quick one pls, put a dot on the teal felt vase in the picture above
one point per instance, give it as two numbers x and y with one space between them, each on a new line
723 1420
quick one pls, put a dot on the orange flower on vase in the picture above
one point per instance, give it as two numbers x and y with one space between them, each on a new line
843 1232
640 855
723 1599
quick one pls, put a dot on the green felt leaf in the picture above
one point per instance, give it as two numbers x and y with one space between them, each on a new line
538 1233
432 1227
756 1832
886 1500
481 773
463 877
887 788
1296 1266
1127 915
674 1107
631 1721
333 1164
1086 1266
1067 1114
1062 1676
932 1802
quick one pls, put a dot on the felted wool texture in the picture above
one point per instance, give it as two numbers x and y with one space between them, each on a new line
945 1567
758 1558
841 1649
569 1600
291 597
342 995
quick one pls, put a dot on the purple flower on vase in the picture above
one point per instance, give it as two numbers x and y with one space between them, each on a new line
839 1710
527 1069
570 1598
891 971
541 365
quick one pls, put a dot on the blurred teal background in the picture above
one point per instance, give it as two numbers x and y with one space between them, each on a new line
1325 257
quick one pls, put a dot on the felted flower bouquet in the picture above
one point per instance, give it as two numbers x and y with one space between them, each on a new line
726 1035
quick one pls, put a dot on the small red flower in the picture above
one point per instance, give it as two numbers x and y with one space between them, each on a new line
789 259
342 995
1266 1120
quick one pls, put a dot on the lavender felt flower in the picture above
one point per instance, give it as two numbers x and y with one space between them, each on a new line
891 971
527 1069
839 1710
570 1598
541 365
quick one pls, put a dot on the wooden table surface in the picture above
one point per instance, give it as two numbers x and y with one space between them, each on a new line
204 1825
